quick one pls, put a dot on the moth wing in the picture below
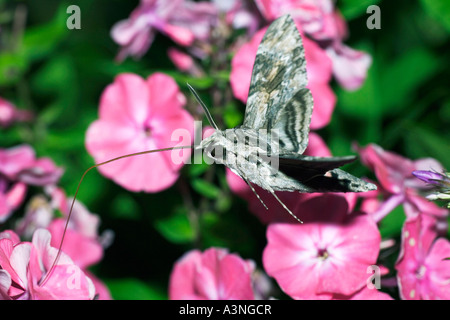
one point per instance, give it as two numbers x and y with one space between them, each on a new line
306 167
292 121
322 174
279 72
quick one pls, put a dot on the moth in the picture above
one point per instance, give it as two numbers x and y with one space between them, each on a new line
276 125
275 129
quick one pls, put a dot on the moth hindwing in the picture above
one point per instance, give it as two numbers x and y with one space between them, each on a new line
267 150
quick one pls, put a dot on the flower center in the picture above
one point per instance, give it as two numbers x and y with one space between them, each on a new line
322 254
420 272
147 131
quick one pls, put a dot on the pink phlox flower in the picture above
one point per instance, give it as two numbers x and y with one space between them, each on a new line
19 168
9 114
24 267
82 242
10 198
213 274
327 255
240 14
38 214
422 271
20 164
310 14
394 174
364 294
318 66
136 115
350 66
182 20
185 62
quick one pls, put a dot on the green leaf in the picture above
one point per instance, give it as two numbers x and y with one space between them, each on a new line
56 75
125 207
440 10
134 289
196 170
216 230
12 66
351 9
40 40
205 188
423 142
197 83
403 77
391 90
177 228
232 116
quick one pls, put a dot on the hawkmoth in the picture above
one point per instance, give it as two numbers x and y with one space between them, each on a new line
276 125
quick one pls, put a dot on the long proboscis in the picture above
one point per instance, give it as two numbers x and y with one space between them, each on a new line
78 188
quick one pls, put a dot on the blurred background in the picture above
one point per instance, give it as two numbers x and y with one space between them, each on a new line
59 75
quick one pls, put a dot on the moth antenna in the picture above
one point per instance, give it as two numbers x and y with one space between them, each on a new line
284 206
47 276
208 114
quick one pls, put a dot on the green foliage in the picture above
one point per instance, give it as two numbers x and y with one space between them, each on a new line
351 9
134 289
440 10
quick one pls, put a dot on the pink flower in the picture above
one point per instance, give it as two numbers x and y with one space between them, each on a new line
20 164
349 66
38 214
422 271
318 66
394 174
10 114
213 275
240 14
137 115
7 113
181 60
81 243
310 14
327 255
19 168
182 20
83 250
24 267
10 198
364 294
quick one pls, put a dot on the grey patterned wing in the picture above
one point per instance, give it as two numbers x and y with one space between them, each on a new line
278 74
322 174
292 121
